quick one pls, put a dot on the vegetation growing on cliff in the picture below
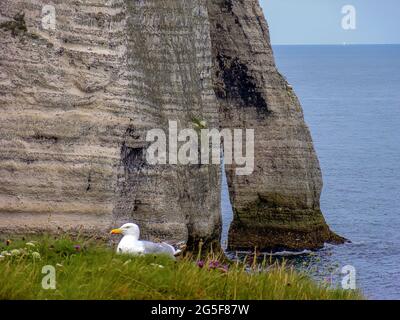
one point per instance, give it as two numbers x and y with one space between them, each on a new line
16 26
90 270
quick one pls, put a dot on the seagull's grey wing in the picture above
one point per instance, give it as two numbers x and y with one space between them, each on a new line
157 248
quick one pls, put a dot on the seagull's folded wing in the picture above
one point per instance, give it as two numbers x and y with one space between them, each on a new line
151 247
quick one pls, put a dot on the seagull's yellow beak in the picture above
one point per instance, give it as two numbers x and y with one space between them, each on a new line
116 231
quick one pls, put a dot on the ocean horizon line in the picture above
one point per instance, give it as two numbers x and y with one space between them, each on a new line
334 44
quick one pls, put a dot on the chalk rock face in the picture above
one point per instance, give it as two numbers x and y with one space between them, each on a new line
83 81
278 205
76 103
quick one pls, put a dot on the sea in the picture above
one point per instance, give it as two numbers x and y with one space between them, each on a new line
351 100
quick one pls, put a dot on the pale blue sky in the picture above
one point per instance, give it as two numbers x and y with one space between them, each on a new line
319 21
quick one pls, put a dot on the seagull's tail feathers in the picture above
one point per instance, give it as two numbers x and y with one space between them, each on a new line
178 248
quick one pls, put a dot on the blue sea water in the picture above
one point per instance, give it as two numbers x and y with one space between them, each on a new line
351 101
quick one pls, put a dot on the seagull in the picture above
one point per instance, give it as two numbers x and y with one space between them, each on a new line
130 243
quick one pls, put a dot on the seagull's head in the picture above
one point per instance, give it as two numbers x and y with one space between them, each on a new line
130 229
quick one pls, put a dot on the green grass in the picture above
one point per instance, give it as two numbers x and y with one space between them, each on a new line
96 272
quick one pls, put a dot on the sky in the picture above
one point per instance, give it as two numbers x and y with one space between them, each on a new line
320 21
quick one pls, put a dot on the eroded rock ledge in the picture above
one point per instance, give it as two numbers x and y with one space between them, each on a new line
76 103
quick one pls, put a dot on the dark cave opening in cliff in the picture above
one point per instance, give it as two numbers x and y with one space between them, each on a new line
226 208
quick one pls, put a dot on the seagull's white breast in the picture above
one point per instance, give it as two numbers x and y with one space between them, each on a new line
130 245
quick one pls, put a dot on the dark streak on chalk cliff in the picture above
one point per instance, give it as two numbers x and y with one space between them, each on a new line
238 83
132 159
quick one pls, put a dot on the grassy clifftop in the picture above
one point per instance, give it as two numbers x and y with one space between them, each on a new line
89 270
